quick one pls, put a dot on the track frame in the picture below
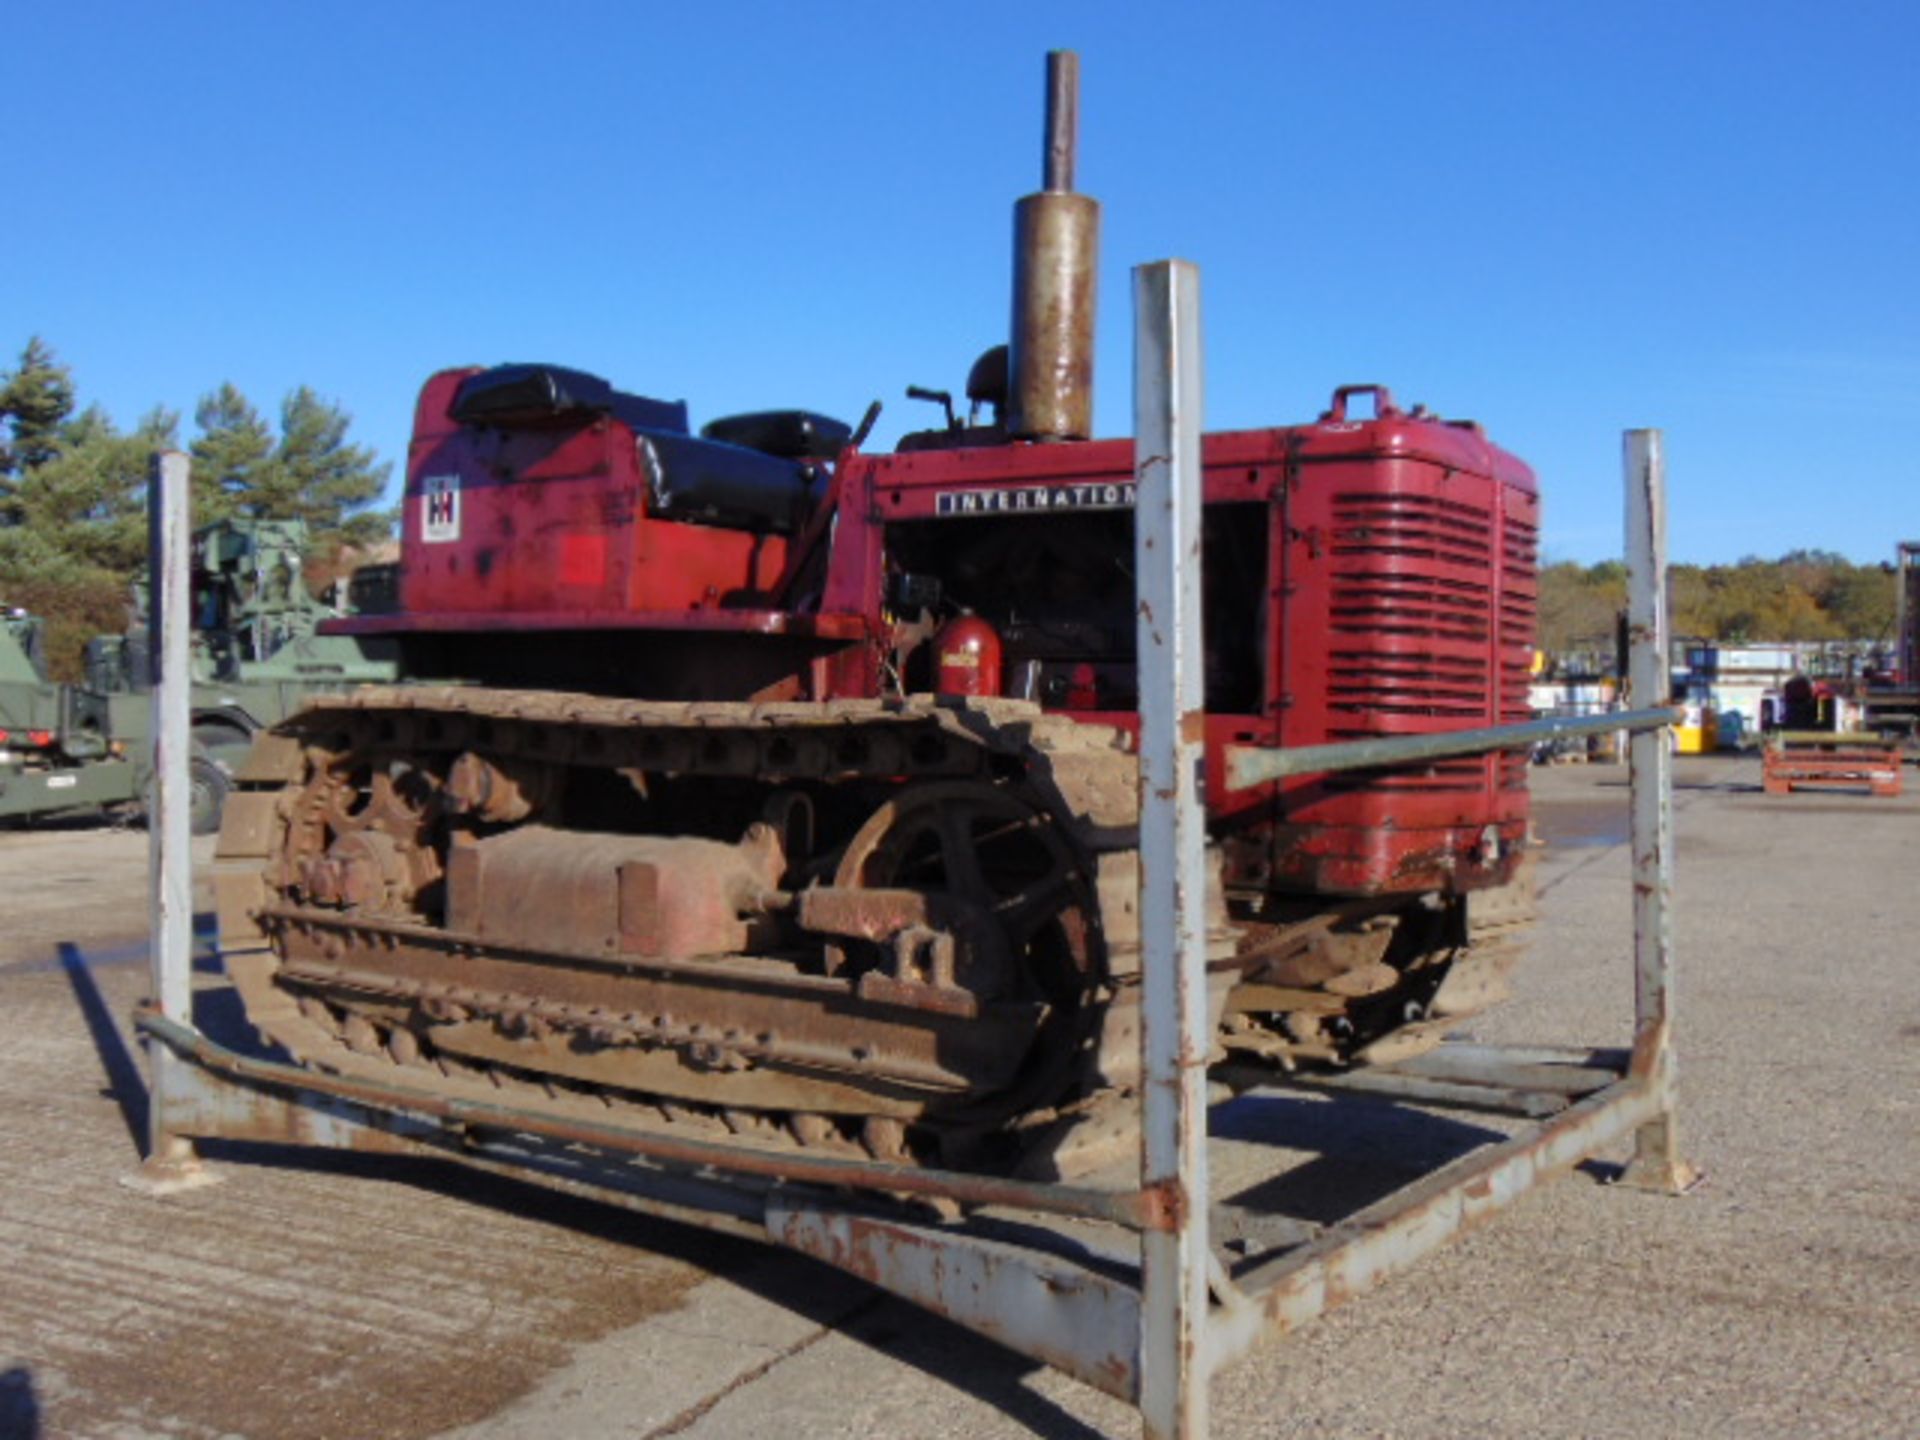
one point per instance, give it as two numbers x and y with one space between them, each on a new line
1118 1281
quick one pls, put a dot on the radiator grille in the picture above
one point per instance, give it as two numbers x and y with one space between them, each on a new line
1519 613
1430 619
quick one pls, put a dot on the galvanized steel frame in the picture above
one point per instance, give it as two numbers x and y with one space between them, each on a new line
171 1162
1149 1319
1173 878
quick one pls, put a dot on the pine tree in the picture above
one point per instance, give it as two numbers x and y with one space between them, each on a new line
329 479
311 473
234 467
36 400
80 528
87 502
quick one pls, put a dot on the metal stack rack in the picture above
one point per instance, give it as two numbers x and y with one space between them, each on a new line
1828 760
1120 1285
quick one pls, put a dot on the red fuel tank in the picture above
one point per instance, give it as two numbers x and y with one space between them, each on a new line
967 657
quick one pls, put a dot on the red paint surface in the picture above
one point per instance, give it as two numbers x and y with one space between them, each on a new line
554 519
1402 562
1401 566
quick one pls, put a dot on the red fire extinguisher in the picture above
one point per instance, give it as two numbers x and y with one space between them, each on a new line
967 657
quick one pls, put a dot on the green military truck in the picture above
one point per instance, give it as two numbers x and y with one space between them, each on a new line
59 746
256 659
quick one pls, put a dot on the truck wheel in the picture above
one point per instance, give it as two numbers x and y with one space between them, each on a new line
208 786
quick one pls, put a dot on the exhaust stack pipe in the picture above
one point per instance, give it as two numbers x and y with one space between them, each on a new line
1056 243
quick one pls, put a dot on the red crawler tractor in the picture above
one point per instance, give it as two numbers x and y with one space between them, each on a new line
787 790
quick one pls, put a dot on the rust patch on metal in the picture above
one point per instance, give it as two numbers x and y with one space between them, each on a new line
1128 1208
1648 1048
1163 1206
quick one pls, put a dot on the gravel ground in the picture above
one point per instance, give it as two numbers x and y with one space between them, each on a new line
308 1297
330 1297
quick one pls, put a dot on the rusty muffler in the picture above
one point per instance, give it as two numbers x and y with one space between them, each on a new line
1056 241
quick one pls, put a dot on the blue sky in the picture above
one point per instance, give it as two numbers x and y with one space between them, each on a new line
1563 220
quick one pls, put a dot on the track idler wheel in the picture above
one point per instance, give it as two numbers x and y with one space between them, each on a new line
986 851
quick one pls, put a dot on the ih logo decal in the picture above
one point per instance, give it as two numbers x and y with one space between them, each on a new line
440 508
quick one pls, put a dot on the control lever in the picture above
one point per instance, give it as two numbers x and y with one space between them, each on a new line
942 398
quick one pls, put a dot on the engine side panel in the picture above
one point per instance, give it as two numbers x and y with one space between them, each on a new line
1396 597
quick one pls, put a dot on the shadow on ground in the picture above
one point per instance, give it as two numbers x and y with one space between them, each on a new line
19 1406
823 1295
1357 1153
1361 1150
124 1083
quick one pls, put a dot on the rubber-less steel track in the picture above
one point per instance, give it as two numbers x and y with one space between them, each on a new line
927 914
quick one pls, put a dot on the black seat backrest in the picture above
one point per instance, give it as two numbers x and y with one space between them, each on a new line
790 434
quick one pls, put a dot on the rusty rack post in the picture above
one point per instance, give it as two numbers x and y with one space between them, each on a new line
1174 1034
1656 1161
171 1162
1114 1283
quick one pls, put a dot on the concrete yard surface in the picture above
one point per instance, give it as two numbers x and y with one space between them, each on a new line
326 1297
